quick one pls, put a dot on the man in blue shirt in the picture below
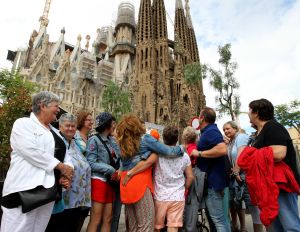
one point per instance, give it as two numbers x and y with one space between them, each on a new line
211 159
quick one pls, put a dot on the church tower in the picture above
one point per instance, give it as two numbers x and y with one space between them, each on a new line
159 92
143 84
123 50
182 42
190 98
193 48
162 65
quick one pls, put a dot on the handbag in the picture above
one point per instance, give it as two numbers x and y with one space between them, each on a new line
34 198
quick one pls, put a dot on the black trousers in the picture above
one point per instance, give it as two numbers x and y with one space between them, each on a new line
67 221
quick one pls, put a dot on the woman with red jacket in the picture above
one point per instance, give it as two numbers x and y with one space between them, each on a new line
271 133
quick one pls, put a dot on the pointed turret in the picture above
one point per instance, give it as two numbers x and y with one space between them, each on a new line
159 20
181 32
59 47
160 35
191 33
77 50
145 30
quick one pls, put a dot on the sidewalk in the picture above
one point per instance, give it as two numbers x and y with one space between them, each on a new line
122 227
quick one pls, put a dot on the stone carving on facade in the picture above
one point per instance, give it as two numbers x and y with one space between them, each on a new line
139 58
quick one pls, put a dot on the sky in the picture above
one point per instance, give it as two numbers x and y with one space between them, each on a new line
264 37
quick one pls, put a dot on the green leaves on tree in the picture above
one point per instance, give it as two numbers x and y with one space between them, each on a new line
224 82
192 73
289 114
15 94
115 100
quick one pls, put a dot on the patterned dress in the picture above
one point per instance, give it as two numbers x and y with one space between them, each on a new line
79 195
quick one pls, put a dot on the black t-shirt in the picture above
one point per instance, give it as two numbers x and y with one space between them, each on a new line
273 133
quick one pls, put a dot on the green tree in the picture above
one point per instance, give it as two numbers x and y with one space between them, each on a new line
15 94
289 114
115 100
192 73
224 82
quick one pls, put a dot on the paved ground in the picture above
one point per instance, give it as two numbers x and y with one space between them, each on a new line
123 229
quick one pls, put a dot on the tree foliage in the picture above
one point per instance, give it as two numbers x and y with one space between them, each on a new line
192 73
115 100
224 82
289 114
15 94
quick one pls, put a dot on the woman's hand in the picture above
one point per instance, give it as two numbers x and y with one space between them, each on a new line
195 153
239 179
65 182
115 176
125 180
65 170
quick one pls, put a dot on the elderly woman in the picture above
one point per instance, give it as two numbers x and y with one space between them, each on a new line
102 154
236 143
137 159
84 126
32 167
77 199
272 134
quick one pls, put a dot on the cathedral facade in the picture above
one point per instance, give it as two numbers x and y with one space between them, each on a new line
160 93
139 58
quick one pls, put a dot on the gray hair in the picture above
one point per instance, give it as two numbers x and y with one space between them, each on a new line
233 124
43 97
67 117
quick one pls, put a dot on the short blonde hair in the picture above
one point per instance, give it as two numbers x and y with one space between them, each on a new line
189 135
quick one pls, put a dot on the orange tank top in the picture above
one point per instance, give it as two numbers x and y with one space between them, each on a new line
136 186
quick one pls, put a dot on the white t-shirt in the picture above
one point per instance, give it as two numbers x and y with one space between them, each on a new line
169 178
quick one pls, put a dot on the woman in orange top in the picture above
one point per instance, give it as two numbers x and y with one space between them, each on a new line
137 146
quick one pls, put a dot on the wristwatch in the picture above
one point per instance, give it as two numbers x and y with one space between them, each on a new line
199 153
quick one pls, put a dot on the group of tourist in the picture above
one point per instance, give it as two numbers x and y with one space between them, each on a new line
59 176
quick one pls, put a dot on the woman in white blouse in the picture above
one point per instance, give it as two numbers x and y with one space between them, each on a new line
32 164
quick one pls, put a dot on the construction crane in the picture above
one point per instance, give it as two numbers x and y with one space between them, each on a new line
44 18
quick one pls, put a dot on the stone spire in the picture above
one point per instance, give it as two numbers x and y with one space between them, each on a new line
87 45
77 50
159 20
193 48
188 14
181 31
145 30
178 4
59 47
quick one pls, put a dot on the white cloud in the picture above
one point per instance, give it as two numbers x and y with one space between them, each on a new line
264 34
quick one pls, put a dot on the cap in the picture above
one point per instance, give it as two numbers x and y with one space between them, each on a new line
103 118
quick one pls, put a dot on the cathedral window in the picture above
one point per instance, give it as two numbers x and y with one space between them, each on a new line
56 64
38 77
62 84
161 112
186 99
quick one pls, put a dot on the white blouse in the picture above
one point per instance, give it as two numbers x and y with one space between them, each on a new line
32 157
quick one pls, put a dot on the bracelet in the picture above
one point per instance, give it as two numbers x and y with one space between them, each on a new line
199 153
129 174
235 173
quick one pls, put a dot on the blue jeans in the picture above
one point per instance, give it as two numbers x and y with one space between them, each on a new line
117 206
288 216
214 204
